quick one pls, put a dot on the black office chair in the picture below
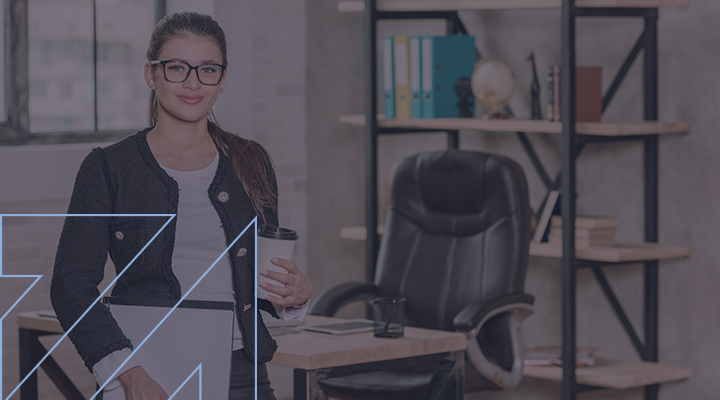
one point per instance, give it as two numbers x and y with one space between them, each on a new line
455 246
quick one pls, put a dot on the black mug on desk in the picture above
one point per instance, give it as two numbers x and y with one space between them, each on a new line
388 317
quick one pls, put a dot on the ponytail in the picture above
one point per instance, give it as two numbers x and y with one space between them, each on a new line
252 165
153 109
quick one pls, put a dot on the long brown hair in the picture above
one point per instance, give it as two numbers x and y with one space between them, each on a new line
251 162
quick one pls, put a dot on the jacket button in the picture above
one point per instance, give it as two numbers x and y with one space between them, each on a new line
119 235
242 252
247 307
223 196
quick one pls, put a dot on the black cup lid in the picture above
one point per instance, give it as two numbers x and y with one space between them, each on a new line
271 231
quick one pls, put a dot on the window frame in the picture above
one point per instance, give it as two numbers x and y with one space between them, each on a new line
15 130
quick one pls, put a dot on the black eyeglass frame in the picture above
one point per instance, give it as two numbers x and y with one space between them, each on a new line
197 73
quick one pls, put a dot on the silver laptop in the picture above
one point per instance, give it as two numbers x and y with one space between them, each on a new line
195 333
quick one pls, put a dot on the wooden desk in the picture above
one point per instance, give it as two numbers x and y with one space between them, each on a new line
314 356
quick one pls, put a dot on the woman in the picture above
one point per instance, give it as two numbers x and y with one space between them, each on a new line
183 164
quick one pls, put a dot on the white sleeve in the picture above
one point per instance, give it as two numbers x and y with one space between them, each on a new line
104 368
291 312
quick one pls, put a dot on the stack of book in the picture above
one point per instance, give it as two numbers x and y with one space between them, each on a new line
420 74
589 231
552 355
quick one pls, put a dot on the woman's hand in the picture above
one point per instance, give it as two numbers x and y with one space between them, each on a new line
297 288
139 385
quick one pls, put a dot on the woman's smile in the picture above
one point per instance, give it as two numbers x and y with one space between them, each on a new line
190 98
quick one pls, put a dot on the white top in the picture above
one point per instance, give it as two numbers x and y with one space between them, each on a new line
199 241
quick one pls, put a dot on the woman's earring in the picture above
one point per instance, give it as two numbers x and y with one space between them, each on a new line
220 91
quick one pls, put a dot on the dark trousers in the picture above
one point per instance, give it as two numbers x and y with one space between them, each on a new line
242 379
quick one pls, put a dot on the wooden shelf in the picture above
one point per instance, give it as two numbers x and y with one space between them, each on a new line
460 5
614 374
613 129
620 252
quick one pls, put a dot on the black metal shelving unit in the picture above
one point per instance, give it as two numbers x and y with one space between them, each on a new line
571 145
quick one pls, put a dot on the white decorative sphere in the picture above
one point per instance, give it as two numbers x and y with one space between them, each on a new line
492 83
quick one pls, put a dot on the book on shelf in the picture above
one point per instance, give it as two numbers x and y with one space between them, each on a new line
550 207
550 94
588 94
556 92
587 222
445 60
388 77
552 355
416 105
402 79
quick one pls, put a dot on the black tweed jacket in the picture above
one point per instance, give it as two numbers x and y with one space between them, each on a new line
125 178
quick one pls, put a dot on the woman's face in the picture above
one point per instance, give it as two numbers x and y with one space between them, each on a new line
188 101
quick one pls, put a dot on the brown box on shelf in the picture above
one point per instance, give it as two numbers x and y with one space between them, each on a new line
588 94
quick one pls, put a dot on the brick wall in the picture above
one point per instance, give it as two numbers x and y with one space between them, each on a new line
264 98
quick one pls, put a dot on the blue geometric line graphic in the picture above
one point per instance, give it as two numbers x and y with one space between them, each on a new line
199 372
255 323
37 278
139 346
255 319
169 216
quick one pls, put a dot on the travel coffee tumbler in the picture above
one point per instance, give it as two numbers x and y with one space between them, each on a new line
272 242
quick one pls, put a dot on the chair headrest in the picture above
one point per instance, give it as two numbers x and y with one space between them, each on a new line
451 181
457 192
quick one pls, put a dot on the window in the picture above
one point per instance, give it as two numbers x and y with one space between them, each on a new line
85 62
75 69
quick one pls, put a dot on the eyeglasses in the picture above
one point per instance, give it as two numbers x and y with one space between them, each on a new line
178 71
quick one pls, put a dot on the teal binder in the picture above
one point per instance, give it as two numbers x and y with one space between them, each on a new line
445 59
388 77
416 105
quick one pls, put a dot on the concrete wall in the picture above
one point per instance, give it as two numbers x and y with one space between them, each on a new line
609 176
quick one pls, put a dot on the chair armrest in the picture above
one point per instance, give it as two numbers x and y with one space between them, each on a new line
471 316
471 320
331 301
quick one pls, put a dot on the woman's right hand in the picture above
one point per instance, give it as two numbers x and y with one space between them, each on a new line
139 385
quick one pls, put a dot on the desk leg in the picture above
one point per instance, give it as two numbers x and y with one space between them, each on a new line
29 357
31 352
306 386
448 381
